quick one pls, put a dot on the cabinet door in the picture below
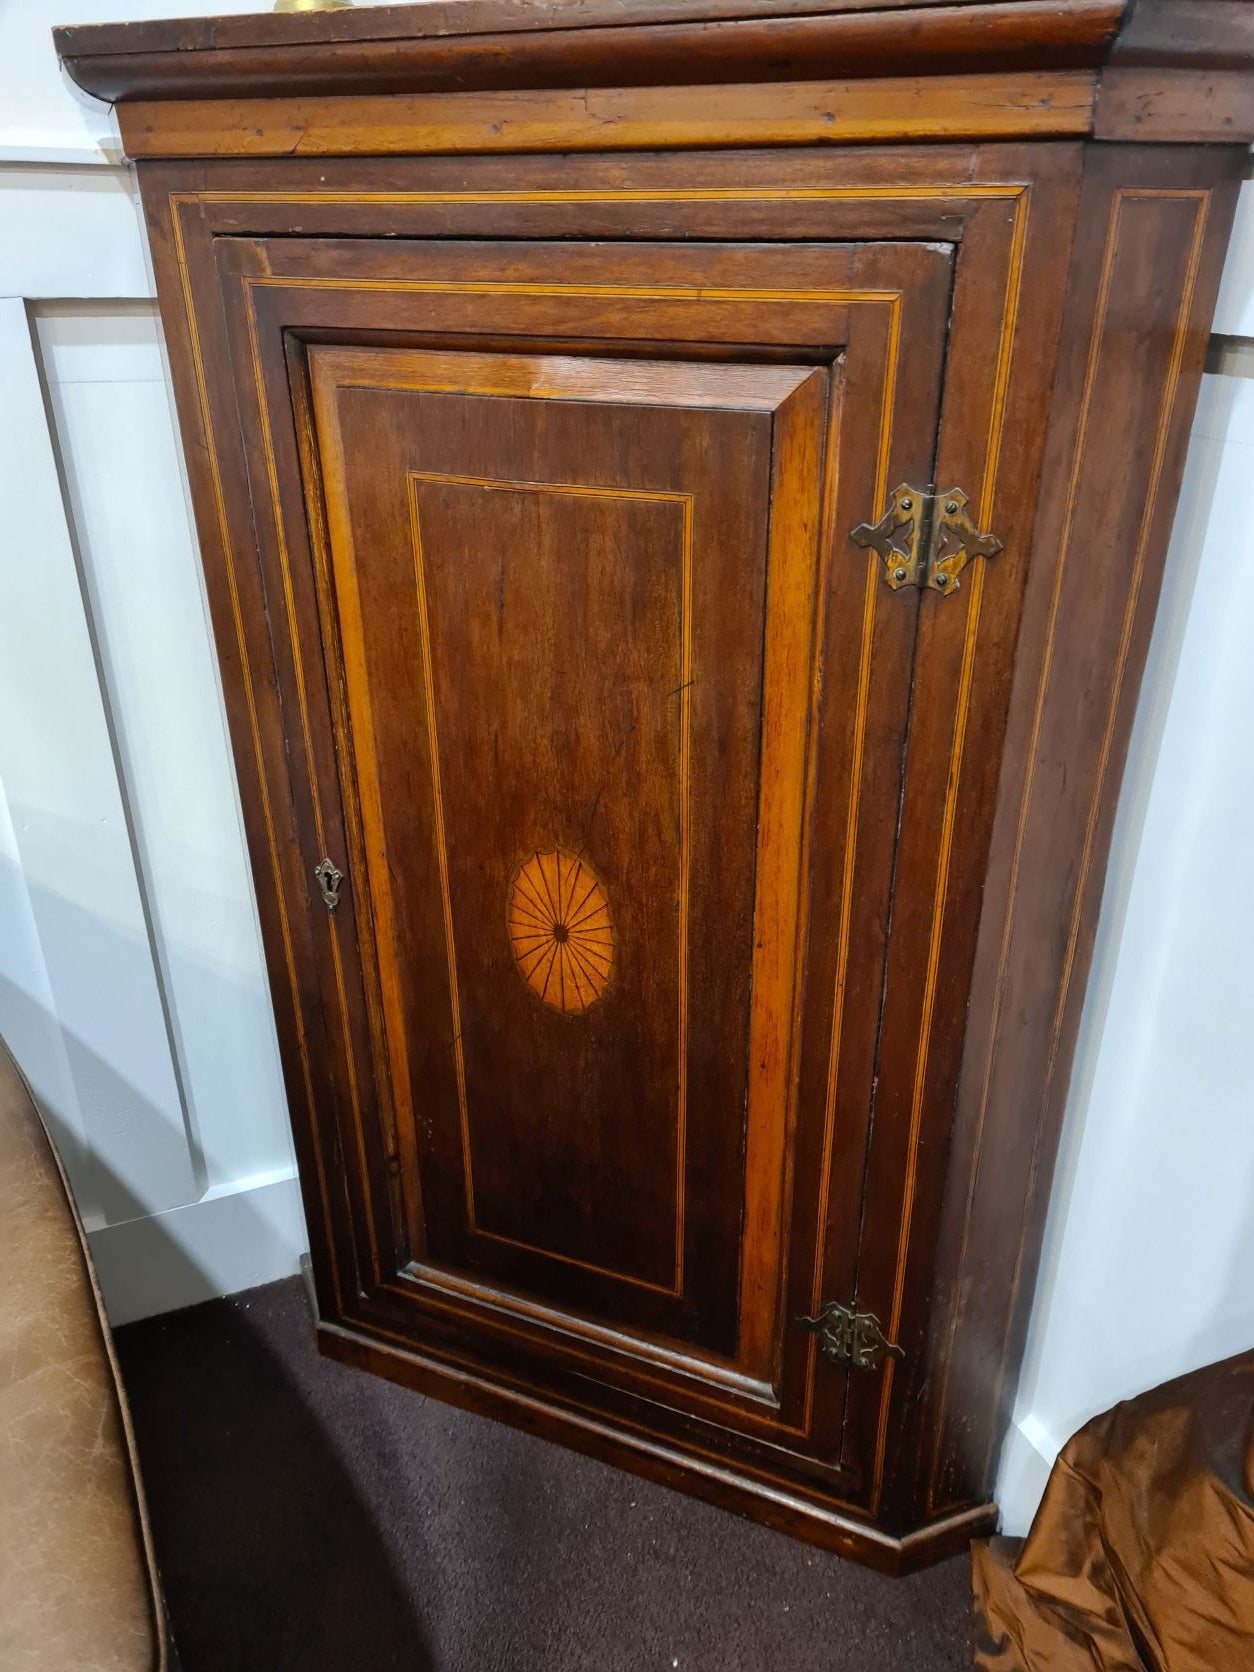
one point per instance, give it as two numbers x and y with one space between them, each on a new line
574 602
567 596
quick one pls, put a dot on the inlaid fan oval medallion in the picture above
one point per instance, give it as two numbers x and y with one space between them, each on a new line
560 930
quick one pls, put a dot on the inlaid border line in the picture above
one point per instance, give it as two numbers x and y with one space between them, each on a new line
1166 409
997 413
687 293
587 491
228 564
285 569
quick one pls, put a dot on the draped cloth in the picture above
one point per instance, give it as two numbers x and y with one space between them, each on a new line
1141 1556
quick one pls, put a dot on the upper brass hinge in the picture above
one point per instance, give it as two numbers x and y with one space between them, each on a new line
925 538
849 1337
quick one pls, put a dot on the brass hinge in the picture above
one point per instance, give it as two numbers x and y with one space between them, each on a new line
850 1337
925 538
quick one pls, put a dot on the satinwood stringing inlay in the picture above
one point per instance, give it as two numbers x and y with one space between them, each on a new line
560 930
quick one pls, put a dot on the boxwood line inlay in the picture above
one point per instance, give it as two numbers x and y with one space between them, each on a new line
547 880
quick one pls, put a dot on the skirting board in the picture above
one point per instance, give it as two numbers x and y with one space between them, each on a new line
248 1232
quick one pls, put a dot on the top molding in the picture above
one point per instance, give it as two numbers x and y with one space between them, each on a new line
465 47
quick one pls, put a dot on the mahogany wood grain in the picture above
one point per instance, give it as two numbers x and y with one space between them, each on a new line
1186 34
810 305
1142 287
501 46
525 452
1008 298
611 119
785 194
344 83
1208 106
465 19
597 1148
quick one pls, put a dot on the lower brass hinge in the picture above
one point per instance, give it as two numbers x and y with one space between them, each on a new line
849 1337
925 538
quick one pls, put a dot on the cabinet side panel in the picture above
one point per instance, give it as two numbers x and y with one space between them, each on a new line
1005 318
1153 228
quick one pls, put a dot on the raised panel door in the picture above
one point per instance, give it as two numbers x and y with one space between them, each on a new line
571 611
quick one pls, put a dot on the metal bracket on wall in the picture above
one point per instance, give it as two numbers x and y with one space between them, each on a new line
849 1337
925 538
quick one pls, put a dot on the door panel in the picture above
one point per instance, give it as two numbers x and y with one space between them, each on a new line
551 612
591 633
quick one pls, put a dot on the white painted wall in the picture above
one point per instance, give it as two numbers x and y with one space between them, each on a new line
131 983
43 116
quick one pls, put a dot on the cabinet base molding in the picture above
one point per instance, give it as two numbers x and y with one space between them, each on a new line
642 1454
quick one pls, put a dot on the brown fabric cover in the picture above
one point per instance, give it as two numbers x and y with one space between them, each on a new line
1141 1556
78 1585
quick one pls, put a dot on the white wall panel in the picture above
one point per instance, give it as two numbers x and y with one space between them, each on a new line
42 113
28 1012
230 1239
72 232
123 471
132 988
69 829
1234 312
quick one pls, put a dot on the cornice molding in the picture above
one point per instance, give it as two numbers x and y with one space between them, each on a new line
486 45
1136 69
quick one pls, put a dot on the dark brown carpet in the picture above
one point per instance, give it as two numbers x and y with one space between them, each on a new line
309 1517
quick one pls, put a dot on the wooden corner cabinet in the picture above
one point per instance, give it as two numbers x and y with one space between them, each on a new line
683 487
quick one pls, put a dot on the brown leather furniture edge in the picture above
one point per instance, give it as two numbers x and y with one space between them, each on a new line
78 1575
